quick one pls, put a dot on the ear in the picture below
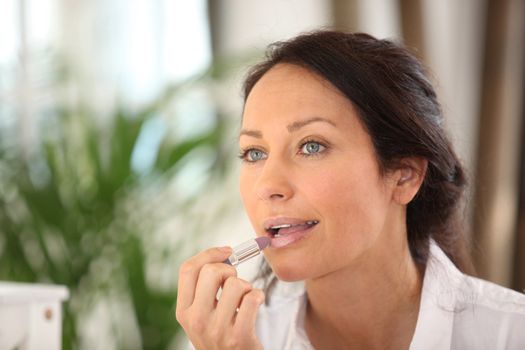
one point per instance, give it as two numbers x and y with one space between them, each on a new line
408 179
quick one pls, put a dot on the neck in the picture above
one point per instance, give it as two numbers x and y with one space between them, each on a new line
372 304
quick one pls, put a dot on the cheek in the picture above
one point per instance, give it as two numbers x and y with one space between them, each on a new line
246 188
243 181
341 184
352 200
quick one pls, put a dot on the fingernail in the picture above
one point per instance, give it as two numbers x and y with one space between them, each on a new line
225 249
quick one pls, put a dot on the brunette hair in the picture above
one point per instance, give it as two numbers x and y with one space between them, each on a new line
399 108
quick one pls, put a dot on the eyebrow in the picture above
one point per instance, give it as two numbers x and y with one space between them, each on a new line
291 128
253 133
299 124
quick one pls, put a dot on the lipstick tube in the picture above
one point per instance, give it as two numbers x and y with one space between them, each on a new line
247 250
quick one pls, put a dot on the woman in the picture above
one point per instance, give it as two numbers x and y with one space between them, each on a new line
347 168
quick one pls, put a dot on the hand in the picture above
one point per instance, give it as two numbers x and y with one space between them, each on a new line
216 324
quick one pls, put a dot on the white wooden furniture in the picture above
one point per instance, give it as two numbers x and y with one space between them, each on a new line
31 316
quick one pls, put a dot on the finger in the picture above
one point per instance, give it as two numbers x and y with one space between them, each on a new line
211 278
233 291
245 319
189 274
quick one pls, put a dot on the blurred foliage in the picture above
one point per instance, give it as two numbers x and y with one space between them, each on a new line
67 212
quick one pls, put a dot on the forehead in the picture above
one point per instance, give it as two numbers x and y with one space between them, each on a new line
289 92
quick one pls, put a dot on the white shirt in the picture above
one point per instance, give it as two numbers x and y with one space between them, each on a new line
456 312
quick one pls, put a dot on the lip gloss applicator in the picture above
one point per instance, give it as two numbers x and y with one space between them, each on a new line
247 250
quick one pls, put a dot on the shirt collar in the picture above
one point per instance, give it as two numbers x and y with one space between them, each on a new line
438 302
297 337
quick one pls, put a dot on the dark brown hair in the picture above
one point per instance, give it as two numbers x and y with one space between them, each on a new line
398 107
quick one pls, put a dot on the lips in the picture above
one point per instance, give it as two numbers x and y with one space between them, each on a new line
284 231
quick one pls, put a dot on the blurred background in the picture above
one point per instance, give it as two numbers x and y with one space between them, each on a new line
118 137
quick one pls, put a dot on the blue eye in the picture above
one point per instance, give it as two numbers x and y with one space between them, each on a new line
253 155
312 148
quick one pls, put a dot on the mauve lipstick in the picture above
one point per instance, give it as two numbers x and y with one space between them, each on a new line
247 250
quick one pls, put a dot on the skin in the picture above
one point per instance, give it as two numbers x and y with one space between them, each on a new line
307 156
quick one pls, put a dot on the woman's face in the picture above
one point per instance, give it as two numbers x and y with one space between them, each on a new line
309 168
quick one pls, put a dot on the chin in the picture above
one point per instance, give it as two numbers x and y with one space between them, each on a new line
290 273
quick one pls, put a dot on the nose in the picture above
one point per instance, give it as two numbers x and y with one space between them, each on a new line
274 182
